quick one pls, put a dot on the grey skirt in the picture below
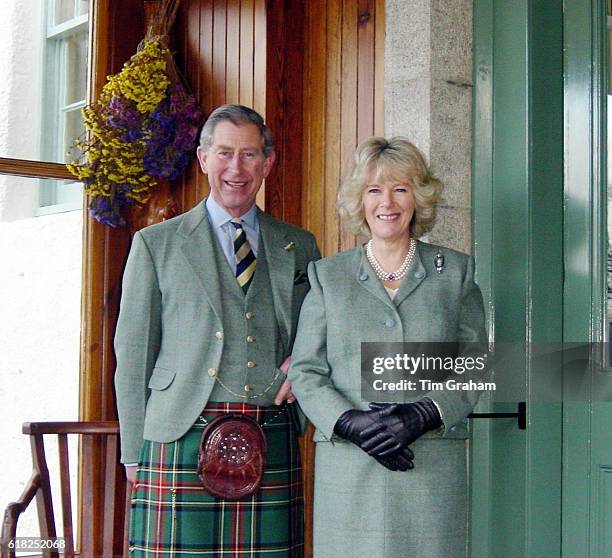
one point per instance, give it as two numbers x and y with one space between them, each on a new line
362 509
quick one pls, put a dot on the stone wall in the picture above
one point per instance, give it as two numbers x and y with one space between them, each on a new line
428 99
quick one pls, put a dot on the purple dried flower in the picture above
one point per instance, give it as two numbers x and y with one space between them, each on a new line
107 210
173 129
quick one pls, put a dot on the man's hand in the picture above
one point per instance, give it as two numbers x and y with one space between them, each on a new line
130 472
284 393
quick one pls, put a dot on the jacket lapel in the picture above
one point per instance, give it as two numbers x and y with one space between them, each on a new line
366 277
413 278
197 248
280 257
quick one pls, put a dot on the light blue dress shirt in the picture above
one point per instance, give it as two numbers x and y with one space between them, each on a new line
225 231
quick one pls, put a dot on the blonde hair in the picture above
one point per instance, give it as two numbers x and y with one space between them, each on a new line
394 160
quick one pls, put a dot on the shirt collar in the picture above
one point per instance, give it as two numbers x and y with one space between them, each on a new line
218 216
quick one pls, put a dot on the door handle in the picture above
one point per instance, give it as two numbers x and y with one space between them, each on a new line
521 415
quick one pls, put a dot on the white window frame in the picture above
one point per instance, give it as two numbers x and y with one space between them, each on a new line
54 111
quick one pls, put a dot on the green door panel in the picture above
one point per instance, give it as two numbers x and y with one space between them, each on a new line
518 244
601 508
587 422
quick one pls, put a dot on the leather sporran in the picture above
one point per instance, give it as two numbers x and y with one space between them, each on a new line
232 456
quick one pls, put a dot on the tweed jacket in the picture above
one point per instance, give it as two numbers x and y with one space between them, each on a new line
169 335
347 305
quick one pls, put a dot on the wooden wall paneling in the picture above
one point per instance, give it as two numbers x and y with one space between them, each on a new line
379 68
313 192
219 54
275 51
259 72
365 68
194 35
346 57
335 92
259 56
292 86
204 56
232 58
247 49
203 59
284 102
349 72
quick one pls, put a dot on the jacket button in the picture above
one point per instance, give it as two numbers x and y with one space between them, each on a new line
212 372
390 323
248 387
248 315
219 335
250 339
250 364
419 274
363 277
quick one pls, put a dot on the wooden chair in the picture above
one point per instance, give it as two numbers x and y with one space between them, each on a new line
99 447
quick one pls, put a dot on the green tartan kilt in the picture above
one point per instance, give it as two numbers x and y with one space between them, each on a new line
172 514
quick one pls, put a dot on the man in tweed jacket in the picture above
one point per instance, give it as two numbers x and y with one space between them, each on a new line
192 341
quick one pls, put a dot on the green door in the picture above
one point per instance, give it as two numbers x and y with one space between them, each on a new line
587 419
540 243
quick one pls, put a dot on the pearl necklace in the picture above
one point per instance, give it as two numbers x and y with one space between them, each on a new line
394 275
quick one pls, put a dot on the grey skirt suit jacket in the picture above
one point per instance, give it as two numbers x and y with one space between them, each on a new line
361 508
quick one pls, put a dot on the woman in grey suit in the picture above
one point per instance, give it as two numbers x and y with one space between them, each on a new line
374 497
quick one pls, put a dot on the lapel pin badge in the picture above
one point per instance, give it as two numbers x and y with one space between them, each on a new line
439 262
290 246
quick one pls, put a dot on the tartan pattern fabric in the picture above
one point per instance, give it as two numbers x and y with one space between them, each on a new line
173 516
245 259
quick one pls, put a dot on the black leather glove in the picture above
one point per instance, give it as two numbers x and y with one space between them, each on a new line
352 422
398 425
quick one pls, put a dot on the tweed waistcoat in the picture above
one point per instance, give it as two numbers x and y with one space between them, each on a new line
252 347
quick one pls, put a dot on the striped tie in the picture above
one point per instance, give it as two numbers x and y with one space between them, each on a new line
245 259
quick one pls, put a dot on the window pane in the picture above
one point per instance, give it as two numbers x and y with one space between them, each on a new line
76 67
83 7
65 195
40 291
39 77
74 129
64 10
